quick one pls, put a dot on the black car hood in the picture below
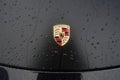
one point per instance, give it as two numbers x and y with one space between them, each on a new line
26 34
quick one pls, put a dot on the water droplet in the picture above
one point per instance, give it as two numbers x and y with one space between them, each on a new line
14 47
71 51
34 48
112 41
41 21
8 52
71 58
8 41
33 17
87 20
71 55
52 55
83 28
47 55
117 18
46 9
102 29
62 17
64 54
50 1
5 21
31 41
68 12
92 44
43 67
36 39
17 18
29 15
41 35
24 41
88 40
5 13
87 14
106 24
93 37
55 51
97 43
5 4
92 53
95 47
22 35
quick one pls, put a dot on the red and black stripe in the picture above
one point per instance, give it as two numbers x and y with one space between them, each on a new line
67 32
59 40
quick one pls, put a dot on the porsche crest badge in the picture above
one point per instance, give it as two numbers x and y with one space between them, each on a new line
61 33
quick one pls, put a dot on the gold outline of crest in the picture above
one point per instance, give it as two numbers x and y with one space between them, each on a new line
61 34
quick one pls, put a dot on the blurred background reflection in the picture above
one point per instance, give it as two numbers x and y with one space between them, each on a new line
19 74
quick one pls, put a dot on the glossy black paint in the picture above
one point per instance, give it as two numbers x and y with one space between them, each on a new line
26 37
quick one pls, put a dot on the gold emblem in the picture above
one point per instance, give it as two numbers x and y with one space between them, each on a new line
61 33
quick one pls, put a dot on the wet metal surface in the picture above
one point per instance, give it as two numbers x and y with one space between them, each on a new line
26 37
